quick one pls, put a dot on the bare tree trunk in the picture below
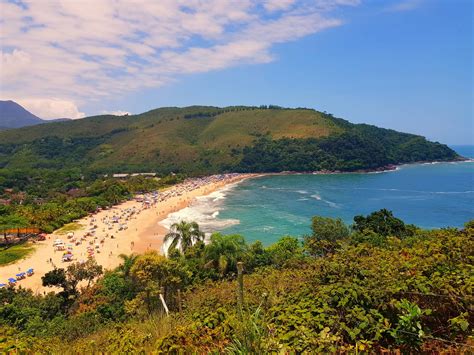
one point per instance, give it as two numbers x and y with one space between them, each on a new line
179 301
240 285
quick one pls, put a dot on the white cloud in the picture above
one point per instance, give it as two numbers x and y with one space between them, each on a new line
46 108
116 113
276 5
405 5
90 49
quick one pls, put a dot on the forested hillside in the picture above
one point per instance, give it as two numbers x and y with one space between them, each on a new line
202 140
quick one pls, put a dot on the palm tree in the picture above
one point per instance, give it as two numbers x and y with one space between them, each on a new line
128 261
185 234
225 251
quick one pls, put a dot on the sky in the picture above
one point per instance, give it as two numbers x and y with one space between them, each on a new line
401 64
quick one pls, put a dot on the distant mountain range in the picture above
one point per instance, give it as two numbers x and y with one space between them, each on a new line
13 115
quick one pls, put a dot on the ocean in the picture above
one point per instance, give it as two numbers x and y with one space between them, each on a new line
432 195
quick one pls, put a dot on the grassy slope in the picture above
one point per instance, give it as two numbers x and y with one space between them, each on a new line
184 140
14 253
164 135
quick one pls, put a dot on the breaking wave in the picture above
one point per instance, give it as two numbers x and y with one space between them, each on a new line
205 211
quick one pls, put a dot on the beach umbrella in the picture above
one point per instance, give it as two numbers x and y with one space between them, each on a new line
12 280
2 285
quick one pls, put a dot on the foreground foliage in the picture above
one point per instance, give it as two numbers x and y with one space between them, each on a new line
366 292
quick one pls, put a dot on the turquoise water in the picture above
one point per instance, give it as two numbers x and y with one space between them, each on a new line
266 208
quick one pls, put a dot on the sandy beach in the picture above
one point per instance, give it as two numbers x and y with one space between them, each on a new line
130 227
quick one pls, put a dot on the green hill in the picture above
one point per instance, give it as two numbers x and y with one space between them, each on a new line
203 140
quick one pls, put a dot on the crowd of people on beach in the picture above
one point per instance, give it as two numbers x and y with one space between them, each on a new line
102 230
117 220
195 183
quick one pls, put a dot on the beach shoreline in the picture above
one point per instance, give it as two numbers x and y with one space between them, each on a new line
143 231
383 169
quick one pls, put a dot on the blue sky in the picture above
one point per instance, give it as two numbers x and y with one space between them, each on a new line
402 64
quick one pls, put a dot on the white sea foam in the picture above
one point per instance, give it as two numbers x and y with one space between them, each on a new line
385 171
330 203
204 211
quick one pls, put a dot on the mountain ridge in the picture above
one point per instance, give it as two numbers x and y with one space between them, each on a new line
13 115
208 139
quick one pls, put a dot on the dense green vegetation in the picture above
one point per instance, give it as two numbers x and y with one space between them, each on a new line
379 284
204 140
361 147
43 204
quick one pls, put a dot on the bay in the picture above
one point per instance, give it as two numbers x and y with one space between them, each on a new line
433 195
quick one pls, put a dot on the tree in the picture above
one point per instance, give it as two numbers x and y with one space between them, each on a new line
284 249
128 261
87 271
326 233
258 256
114 194
329 229
151 272
184 234
10 221
381 222
69 279
469 225
55 277
224 251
